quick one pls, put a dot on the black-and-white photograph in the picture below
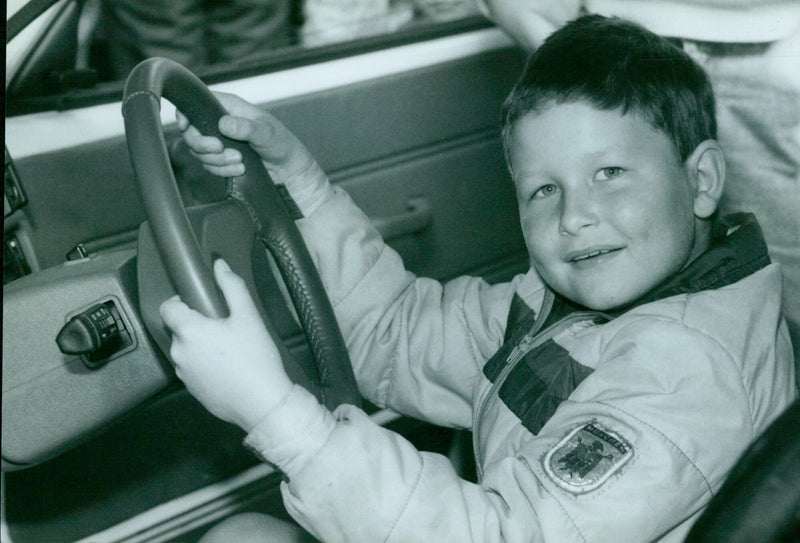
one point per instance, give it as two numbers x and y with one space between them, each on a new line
395 271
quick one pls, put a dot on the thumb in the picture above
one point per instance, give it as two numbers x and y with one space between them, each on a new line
273 143
240 129
175 313
234 289
264 132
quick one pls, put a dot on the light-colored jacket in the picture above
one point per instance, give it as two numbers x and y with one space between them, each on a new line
664 399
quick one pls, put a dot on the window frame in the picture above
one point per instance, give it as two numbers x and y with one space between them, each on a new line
290 57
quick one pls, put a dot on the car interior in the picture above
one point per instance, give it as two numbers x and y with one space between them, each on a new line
100 440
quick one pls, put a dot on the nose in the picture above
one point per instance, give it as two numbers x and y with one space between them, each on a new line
577 212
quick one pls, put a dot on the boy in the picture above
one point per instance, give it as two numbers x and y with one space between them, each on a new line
609 389
750 53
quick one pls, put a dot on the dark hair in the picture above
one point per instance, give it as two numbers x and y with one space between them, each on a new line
615 64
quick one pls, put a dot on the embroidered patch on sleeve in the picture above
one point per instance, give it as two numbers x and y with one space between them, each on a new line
586 458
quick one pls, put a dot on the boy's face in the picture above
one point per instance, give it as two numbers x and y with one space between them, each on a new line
607 207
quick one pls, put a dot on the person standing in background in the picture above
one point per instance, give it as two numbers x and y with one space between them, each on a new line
195 33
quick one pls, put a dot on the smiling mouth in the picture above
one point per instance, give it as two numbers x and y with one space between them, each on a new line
593 256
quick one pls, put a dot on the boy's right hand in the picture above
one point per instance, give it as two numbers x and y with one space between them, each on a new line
287 160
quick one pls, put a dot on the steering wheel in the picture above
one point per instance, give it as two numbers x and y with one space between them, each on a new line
269 212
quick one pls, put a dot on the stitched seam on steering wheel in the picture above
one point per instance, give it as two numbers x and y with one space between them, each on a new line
138 93
235 193
291 206
301 299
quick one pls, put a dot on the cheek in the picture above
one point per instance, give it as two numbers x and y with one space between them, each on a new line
667 224
541 246
526 221
677 213
654 209
534 229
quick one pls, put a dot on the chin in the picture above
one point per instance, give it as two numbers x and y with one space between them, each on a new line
604 302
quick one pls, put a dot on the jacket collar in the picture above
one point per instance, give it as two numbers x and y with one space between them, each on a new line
737 250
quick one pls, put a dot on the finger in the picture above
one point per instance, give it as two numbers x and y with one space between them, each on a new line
177 314
281 148
234 289
273 142
220 164
226 157
183 122
200 143
233 170
284 156
235 105
240 128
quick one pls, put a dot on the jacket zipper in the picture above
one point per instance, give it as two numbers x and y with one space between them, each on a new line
531 340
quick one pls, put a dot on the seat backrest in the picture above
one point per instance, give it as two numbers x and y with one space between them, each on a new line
760 500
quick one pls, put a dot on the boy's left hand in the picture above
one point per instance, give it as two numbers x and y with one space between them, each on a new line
231 365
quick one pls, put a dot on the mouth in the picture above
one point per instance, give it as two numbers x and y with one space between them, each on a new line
584 257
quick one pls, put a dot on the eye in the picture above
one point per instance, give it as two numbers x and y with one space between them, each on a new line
544 191
609 173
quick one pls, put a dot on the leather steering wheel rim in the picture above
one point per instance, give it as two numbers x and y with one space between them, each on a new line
255 192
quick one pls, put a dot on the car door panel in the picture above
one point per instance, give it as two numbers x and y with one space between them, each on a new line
349 130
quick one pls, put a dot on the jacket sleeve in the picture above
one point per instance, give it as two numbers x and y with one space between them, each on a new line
417 346
667 399
350 480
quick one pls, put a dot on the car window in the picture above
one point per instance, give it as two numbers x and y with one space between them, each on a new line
90 46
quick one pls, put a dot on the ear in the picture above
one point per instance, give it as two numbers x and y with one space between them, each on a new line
706 170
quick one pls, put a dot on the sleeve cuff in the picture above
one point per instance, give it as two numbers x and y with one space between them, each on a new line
310 197
291 434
